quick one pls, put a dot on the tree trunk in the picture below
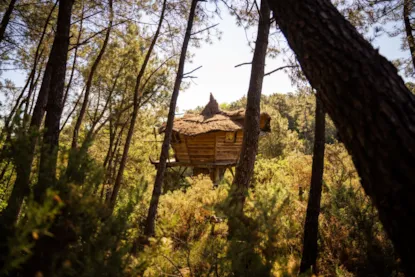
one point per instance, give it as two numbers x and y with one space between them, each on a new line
152 211
34 96
24 163
75 55
407 7
240 233
370 105
37 57
309 256
49 154
54 77
6 19
89 82
245 167
137 96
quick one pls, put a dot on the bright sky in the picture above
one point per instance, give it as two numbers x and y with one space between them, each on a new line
227 83
219 75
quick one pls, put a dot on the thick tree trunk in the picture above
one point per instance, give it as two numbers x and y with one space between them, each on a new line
370 105
49 154
245 167
6 19
89 82
407 8
136 106
309 256
53 81
46 247
152 211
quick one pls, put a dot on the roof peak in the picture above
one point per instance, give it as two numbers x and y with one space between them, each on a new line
211 108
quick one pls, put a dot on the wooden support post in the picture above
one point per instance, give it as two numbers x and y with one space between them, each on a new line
214 175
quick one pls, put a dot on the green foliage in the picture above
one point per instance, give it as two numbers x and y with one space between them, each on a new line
190 236
192 228
36 223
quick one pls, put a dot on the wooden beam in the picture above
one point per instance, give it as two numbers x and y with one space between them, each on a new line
197 164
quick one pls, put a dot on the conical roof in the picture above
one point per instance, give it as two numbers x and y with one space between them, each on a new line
211 108
212 119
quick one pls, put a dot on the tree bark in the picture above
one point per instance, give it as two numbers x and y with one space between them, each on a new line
244 258
309 256
46 246
89 81
245 167
49 152
53 81
370 105
37 57
152 211
6 19
75 55
136 106
407 7
24 162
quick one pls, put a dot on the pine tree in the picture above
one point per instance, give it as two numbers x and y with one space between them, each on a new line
369 103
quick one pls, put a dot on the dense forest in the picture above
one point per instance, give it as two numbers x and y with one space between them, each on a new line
86 183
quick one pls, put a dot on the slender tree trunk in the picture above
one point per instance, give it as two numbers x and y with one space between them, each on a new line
4 169
89 82
33 100
137 96
239 227
309 256
42 98
7 129
46 247
112 132
37 57
9 215
370 105
108 163
407 8
24 163
54 77
245 167
49 154
152 211
6 19
72 110
75 55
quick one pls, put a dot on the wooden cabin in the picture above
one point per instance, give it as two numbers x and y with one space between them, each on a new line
210 142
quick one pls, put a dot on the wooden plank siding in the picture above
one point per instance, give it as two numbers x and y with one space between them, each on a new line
180 150
201 148
228 151
207 148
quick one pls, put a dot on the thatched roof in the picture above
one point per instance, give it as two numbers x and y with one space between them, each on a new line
213 119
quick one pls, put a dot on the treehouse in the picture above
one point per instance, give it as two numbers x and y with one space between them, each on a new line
209 142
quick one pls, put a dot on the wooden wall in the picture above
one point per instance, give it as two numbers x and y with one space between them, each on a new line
180 150
228 151
207 148
201 148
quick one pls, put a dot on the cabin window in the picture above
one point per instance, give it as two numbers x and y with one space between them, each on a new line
230 137
175 138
